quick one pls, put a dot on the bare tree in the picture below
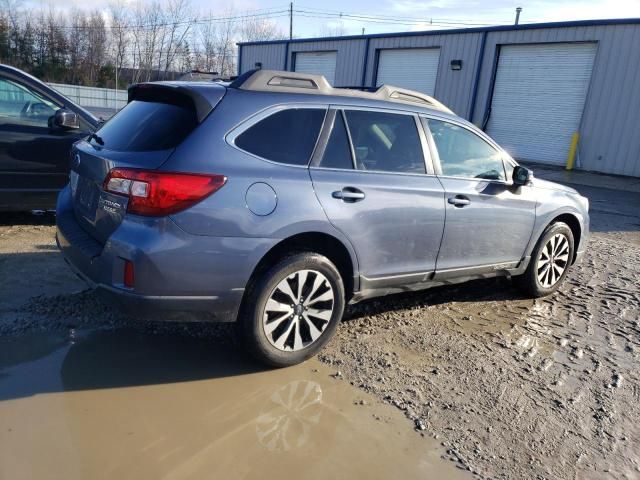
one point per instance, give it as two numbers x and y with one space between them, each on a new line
259 29
206 57
118 18
178 26
155 38
224 45
96 51
333 29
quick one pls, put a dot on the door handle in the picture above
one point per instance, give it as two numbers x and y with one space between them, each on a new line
349 194
459 201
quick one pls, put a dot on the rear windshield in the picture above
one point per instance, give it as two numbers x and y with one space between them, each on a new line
147 126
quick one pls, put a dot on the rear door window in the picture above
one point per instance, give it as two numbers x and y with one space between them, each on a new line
288 136
385 142
144 126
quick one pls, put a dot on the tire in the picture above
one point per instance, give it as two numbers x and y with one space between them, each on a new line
538 281
277 334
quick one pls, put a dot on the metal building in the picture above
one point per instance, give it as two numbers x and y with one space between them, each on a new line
529 86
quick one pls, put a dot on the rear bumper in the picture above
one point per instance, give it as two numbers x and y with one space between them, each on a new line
178 276
153 307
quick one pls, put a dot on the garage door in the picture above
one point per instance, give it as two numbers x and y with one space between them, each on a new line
322 63
538 98
412 68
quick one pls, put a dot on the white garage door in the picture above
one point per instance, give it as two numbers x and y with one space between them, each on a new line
412 68
322 63
538 98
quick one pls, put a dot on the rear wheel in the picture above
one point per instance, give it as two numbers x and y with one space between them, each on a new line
550 261
292 310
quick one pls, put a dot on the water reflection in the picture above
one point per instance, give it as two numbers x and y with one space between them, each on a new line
123 404
292 412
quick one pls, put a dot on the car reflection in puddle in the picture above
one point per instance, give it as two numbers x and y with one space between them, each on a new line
126 404
293 411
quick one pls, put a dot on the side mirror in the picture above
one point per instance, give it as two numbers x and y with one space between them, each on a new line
522 176
65 119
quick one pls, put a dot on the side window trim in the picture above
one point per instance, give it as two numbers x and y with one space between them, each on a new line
436 156
427 154
236 131
323 139
351 147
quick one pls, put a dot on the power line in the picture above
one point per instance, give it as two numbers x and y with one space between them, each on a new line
399 19
192 21
389 21
283 11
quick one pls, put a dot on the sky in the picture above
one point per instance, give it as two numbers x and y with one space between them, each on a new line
323 18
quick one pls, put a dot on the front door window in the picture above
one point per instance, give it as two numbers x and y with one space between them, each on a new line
464 154
20 105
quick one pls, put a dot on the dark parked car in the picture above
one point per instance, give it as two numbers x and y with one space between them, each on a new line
37 128
277 199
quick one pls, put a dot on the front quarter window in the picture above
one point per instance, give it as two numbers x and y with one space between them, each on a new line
464 154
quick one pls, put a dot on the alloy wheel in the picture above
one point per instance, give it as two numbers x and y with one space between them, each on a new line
298 310
553 260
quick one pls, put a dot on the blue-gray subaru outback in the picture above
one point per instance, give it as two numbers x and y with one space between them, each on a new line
276 199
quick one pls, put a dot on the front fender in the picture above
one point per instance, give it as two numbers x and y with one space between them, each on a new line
553 204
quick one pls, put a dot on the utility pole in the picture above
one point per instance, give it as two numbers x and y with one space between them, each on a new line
116 94
290 20
362 30
518 10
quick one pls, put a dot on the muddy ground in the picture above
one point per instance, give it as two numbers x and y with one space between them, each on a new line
508 386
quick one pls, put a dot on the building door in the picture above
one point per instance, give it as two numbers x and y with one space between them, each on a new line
538 98
412 68
319 63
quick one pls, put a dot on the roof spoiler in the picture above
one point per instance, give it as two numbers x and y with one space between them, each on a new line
172 94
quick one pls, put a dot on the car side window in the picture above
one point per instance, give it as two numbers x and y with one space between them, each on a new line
20 105
288 136
385 142
464 154
337 154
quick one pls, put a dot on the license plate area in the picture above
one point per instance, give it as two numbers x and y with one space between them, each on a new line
86 197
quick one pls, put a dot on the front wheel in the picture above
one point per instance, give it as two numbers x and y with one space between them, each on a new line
550 261
292 310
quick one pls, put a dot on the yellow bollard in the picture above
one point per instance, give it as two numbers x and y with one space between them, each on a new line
572 151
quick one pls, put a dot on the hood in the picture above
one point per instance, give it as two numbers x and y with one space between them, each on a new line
547 185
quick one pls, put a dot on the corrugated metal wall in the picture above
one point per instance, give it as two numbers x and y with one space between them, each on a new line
608 133
453 88
270 55
609 139
349 59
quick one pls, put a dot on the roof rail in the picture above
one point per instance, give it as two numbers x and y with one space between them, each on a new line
296 82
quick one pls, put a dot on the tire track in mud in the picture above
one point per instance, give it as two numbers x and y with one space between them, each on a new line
514 388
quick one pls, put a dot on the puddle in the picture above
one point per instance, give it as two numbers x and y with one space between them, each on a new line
122 404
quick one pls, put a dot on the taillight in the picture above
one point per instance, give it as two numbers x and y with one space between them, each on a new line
156 193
